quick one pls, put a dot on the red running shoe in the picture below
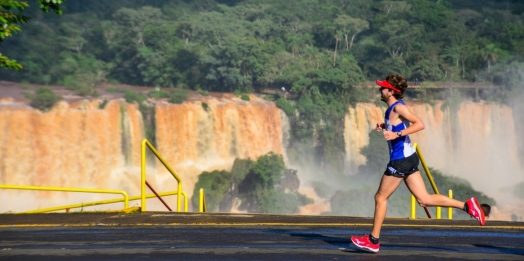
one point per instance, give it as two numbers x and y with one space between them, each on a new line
364 243
475 210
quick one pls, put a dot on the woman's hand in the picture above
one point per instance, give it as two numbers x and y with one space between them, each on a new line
389 135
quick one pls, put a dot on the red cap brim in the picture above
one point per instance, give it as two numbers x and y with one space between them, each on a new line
386 84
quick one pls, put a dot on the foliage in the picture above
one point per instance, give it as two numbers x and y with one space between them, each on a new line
157 94
103 104
285 106
202 92
240 169
245 97
178 97
215 185
44 99
132 97
249 43
205 106
268 170
10 18
262 186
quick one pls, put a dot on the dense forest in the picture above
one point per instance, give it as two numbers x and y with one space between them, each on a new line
319 49
324 46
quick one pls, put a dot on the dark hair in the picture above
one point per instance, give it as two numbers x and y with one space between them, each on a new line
399 82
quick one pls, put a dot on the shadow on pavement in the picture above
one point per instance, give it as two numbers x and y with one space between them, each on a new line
504 250
342 243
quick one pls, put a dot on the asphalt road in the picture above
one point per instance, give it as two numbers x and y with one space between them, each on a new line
277 238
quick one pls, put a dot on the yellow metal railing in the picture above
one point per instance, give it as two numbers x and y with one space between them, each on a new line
125 199
433 185
202 205
146 143
426 169
101 202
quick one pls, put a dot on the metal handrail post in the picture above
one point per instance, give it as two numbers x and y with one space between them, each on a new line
185 201
413 207
202 205
143 178
145 143
450 209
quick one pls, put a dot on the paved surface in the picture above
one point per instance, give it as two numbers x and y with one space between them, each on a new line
194 236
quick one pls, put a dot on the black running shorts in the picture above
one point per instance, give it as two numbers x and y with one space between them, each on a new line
403 167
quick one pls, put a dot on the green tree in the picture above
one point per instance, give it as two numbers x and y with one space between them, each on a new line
215 184
44 99
350 27
491 53
398 35
268 169
133 22
11 18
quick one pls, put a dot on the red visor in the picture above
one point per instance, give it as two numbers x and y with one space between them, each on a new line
388 85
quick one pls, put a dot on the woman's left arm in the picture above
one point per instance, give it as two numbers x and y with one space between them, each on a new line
416 123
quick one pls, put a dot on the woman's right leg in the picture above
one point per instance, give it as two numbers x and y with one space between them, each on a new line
417 187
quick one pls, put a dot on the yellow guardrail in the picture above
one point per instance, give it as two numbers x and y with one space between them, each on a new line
433 185
426 169
202 205
104 191
145 144
101 202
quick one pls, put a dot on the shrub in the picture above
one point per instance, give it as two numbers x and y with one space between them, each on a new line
203 92
103 104
157 94
215 185
131 97
284 105
44 99
205 106
70 82
245 97
84 90
178 97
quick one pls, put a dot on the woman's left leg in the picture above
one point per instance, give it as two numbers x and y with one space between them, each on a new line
417 187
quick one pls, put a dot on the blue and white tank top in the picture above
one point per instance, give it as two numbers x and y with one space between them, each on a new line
401 147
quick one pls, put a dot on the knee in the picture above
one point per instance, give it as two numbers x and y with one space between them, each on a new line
423 201
380 198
